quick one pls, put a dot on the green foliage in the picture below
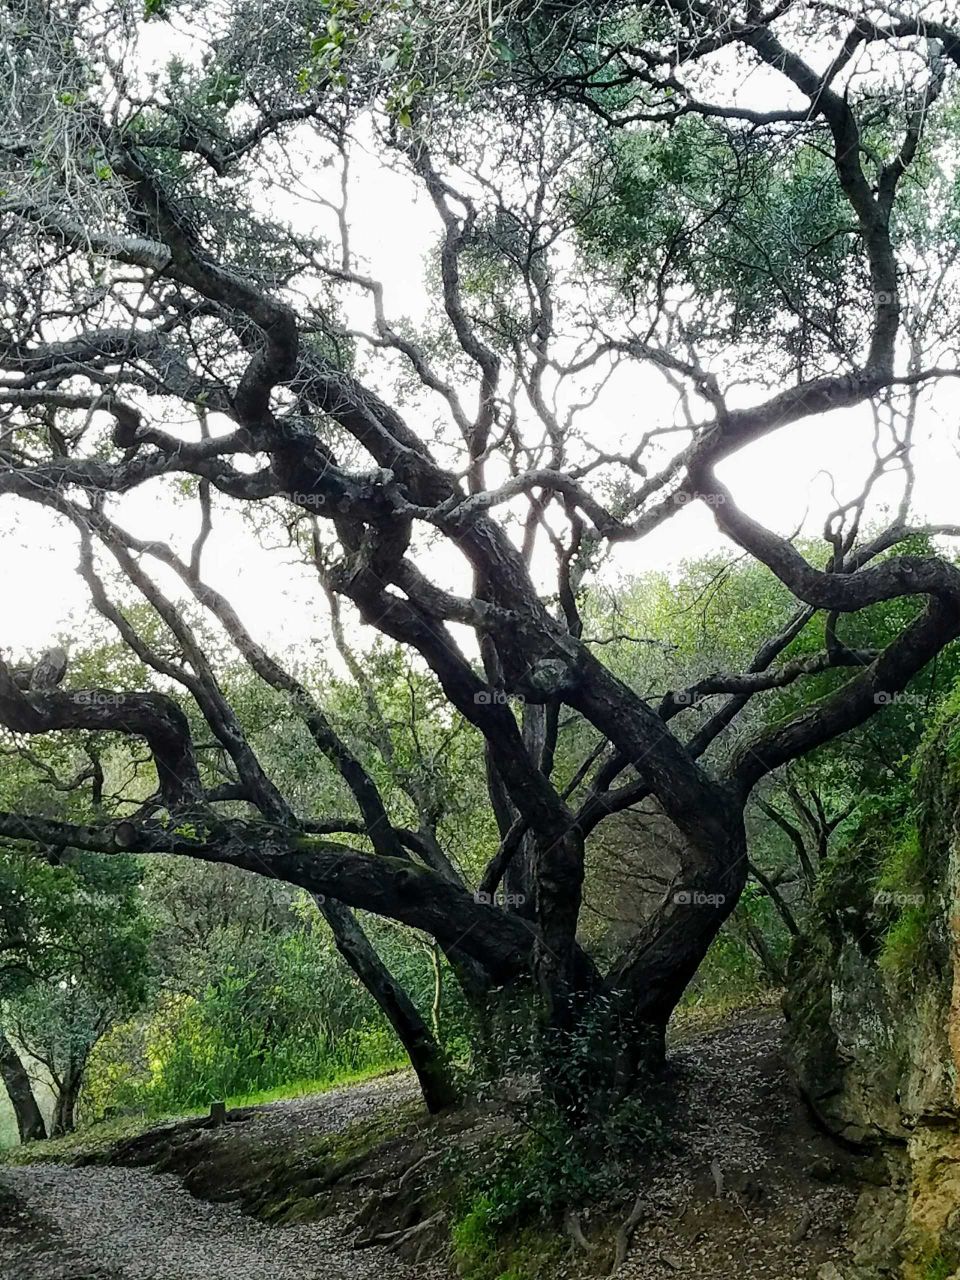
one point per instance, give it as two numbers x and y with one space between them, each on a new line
486 1250
902 868
891 864
939 1268
209 1053
533 1176
576 1145
240 960
906 940
81 920
256 1000
255 1026
473 1234
354 42
732 974
743 225
75 958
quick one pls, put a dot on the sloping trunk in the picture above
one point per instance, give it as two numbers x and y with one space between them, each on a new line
646 985
426 1056
29 1119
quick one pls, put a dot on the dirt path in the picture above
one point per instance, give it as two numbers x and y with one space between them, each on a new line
749 1189
754 1189
126 1224
63 1223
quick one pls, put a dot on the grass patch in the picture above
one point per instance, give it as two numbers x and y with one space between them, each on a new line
906 942
96 1138
902 868
306 1088
939 1268
483 1253
90 1140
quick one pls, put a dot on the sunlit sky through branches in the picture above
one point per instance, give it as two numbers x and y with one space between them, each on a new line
781 480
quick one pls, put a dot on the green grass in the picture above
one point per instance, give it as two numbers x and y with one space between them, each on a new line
939 1268
902 869
94 1138
906 940
304 1088
483 1253
89 1140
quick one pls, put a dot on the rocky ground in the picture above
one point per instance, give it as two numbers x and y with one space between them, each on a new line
752 1189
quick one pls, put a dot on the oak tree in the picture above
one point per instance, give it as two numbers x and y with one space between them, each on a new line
614 205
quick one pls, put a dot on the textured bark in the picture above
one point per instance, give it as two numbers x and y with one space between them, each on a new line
30 1124
65 1111
254 359
401 890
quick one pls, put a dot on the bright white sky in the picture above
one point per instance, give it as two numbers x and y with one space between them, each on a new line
783 480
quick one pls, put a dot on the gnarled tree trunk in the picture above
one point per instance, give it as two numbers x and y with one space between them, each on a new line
65 1112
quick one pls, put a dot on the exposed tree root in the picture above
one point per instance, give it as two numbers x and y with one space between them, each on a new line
801 1230
625 1233
403 1236
415 1168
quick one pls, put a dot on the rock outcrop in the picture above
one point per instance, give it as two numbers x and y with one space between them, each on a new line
873 1012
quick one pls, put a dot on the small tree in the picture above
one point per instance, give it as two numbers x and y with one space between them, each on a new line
74 944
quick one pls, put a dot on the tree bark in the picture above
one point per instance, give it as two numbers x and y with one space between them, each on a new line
30 1124
646 984
65 1112
436 1008
426 1056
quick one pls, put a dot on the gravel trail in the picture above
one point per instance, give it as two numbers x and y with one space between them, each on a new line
129 1224
748 1189
58 1222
